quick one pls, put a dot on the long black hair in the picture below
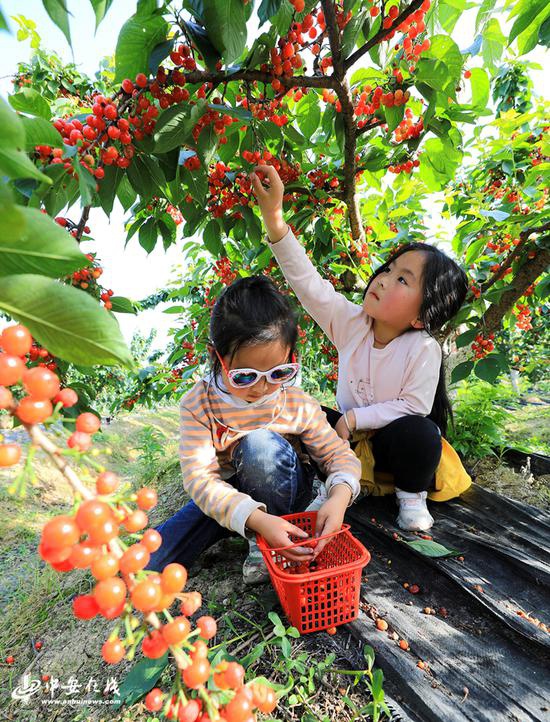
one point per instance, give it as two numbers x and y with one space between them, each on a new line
249 312
444 288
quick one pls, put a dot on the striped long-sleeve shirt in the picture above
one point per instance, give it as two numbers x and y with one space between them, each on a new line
212 423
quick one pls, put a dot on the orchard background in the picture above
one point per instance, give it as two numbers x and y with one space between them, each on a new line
374 114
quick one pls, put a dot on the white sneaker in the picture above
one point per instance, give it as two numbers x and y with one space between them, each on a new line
319 500
413 511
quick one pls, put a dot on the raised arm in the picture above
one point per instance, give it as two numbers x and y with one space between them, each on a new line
330 309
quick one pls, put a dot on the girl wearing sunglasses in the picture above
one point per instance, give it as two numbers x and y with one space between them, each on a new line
248 436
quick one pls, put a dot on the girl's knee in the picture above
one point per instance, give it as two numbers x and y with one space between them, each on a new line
418 427
261 448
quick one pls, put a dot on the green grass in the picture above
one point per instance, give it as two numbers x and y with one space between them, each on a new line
528 429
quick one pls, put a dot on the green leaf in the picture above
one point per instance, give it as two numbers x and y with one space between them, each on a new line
282 19
13 132
158 54
488 368
32 102
202 41
40 132
351 32
15 164
57 10
461 371
207 144
496 214
225 23
86 183
44 248
440 160
449 13
528 39
441 66
148 235
430 548
137 38
68 322
484 12
212 238
493 43
122 305
125 193
480 88
466 338
101 8
174 126
308 114
144 174
229 151
268 9
529 12
240 113
259 52
196 182
140 680
12 219
108 187
394 116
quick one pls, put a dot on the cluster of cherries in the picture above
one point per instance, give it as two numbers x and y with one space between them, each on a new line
405 167
42 391
228 192
522 312
502 245
224 272
90 538
332 357
407 128
87 278
482 346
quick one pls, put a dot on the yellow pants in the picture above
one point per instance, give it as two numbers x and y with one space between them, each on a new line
451 478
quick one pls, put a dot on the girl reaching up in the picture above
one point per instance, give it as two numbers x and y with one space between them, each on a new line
391 383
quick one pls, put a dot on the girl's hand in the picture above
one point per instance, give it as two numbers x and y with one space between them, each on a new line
270 201
277 532
330 516
343 429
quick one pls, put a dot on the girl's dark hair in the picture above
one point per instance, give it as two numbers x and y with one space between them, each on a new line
251 311
444 288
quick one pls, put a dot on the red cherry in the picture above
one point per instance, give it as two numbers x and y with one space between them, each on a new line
16 340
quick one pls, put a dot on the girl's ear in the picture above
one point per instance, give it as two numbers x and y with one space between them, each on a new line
417 323
211 350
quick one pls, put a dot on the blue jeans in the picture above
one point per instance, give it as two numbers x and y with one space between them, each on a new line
267 468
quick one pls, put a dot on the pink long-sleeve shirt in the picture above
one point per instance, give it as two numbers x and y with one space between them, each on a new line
380 385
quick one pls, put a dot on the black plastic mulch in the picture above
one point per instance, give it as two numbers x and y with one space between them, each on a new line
483 661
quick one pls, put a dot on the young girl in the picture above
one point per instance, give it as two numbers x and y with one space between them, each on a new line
391 381
243 431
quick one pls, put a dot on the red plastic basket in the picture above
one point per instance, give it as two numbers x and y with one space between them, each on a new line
326 596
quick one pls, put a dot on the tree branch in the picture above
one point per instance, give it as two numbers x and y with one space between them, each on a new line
514 253
82 222
527 274
381 34
366 128
341 86
304 81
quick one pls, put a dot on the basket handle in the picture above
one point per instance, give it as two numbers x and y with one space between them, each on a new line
345 527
